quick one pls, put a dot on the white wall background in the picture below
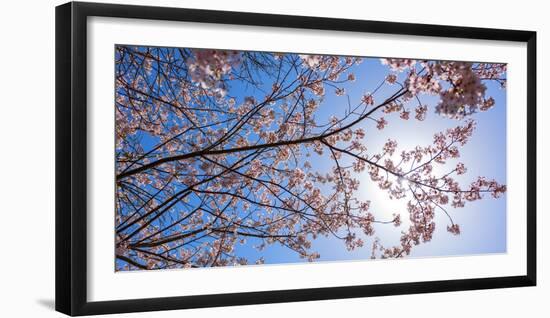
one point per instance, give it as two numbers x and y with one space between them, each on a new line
27 158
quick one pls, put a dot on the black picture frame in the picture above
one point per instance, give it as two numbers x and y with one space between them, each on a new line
71 157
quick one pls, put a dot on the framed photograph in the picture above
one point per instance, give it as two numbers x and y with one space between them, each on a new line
209 158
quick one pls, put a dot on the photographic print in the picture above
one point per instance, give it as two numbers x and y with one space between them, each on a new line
234 157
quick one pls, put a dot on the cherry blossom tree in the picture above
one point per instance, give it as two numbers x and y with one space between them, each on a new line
217 148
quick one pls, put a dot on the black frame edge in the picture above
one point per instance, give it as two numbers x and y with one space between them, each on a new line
70 131
301 22
79 161
63 79
314 294
532 158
